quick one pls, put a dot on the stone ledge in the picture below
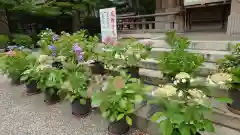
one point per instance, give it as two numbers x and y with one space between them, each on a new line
209 55
153 64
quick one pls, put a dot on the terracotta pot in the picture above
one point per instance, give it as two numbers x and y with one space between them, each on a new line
235 106
51 99
81 109
119 127
32 87
97 68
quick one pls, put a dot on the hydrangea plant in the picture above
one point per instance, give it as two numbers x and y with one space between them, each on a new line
125 53
178 59
185 105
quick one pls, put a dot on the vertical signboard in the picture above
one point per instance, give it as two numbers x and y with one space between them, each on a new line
108 23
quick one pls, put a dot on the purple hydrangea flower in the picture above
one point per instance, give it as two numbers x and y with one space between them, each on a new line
52 48
76 48
80 58
55 37
54 54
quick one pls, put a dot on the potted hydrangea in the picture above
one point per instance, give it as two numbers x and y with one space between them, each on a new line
77 90
117 102
126 55
50 79
14 63
185 105
30 76
230 66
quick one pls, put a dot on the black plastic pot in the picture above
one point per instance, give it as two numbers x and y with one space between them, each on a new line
119 127
235 106
57 64
133 71
32 87
51 99
6 49
81 109
97 68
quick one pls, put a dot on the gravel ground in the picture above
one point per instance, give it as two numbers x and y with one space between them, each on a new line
29 115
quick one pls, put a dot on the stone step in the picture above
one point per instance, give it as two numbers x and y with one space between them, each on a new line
195 44
152 63
209 55
150 73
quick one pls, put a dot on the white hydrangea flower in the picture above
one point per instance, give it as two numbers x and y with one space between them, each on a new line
182 75
61 58
184 80
175 82
117 56
195 93
42 67
219 78
138 56
45 59
166 91
180 94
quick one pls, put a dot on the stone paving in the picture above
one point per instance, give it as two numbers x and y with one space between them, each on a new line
29 115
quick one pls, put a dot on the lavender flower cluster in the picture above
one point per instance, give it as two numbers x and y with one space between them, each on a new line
78 51
52 47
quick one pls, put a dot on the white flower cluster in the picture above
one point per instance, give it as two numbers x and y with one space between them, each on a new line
45 59
42 67
219 79
166 91
61 58
197 96
181 77
119 56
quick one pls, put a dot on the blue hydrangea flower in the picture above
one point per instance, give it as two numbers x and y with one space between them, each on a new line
55 37
76 48
52 48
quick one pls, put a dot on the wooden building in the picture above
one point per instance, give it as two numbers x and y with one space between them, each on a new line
186 15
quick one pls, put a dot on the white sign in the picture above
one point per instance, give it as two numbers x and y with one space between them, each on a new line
108 20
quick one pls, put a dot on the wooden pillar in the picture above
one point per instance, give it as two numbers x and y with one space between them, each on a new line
233 27
159 6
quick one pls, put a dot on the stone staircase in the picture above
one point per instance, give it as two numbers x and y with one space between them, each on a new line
212 51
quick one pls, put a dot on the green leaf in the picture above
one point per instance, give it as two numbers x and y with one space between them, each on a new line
166 127
120 116
82 101
177 118
105 114
208 126
96 102
185 129
224 100
130 91
123 103
138 98
24 78
129 120
156 116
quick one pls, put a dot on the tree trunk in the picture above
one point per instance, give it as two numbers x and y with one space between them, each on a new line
4 28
